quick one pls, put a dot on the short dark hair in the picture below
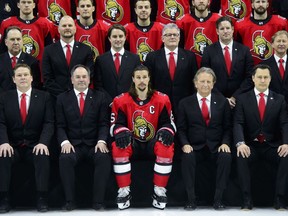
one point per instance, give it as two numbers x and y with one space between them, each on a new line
262 67
23 66
80 65
222 19
136 1
116 26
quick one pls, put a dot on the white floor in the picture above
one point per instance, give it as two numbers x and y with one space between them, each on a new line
201 211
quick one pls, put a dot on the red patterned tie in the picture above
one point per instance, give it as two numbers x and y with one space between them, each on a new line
81 103
68 54
172 65
281 68
205 111
23 108
227 59
14 61
117 62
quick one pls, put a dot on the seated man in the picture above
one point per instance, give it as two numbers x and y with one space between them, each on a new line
142 122
26 129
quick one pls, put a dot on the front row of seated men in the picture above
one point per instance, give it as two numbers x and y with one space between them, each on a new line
142 125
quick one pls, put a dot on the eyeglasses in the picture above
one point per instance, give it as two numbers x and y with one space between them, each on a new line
170 35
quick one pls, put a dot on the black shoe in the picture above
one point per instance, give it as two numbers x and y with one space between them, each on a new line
5 205
191 205
97 206
247 204
279 204
69 206
42 205
218 205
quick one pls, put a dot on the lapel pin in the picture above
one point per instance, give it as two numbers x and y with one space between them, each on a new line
90 97
76 46
214 102
271 98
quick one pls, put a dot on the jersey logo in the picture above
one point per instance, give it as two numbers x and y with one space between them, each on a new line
143 130
30 46
85 39
113 11
200 41
237 9
173 10
262 49
55 12
143 48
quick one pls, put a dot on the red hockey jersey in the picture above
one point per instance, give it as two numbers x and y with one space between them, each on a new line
236 9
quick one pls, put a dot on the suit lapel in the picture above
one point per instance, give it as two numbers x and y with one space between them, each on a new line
269 104
111 65
252 102
180 63
234 56
59 51
123 65
221 57
276 70
198 109
88 102
162 58
9 65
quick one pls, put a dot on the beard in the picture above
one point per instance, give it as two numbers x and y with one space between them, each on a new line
260 10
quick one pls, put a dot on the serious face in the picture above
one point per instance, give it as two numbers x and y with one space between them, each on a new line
117 39
85 9
225 32
67 27
80 79
14 41
141 80
261 79
143 10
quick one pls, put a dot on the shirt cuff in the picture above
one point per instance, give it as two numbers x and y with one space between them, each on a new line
65 142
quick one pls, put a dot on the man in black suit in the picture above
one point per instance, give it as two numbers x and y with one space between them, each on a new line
175 81
59 58
260 131
8 60
237 78
279 71
204 129
107 76
26 128
82 130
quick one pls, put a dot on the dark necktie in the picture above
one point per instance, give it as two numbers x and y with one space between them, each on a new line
227 59
23 108
117 62
172 65
281 68
205 111
81 103
68 54
13 61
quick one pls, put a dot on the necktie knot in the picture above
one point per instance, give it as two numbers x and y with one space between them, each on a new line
226 48
203 99
117 54
171 54
23 95
281 61
81 94
261 95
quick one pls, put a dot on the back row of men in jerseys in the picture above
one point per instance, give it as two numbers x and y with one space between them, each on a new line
142 124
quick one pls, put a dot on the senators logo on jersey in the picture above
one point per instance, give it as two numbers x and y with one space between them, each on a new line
30 46
200 41
55 12
262 49
237 9
113 11
143 48
85 39
143 130
173 10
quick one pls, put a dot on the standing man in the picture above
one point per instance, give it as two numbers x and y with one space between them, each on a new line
260 131
199 28
59 58
278 64
114 68
26 129
82 130
143 36
142 124
172 68
204 128
256 31
89 31
231 61
14 55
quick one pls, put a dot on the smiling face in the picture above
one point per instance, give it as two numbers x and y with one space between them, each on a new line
280 45
204 84
117 39
80 79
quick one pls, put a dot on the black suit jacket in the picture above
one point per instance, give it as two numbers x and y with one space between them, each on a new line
106 76
239 80
182 85
6 70
277 84
39 125
56 72
88 129
247 123
192 128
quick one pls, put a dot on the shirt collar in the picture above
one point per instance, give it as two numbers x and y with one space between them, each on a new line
63 44
17 56
28 93
199 97
167 51
78 92
121 51
230 45
277 58
257 92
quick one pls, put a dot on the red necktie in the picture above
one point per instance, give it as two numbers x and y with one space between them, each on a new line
205 111
117 62
81 103
261 105
14 61
227 59
281 68
23 108
68 54
172 65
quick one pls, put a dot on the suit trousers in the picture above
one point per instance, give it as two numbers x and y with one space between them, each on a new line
102 171
269 154
41 165
222 160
